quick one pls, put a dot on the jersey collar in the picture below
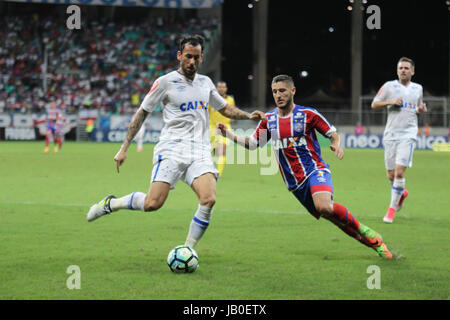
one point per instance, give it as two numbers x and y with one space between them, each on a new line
186 78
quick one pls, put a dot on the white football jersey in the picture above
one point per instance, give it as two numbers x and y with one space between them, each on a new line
402 120
185 135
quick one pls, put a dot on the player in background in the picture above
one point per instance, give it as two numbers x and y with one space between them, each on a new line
52 116
141 133
140 139
291 128
184 150
218 143
59 129
403 100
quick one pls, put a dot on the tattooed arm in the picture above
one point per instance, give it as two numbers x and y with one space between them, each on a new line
133 129
246 142
232 112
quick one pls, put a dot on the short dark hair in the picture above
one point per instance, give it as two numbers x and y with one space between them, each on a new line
193 40
405 59
283 78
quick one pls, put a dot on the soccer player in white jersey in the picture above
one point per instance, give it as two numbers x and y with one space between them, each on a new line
403 99
184 149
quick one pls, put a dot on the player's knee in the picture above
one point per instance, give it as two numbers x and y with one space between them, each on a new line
399 174
208 201
325 209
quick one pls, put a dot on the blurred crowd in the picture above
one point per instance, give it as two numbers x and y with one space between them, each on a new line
108 66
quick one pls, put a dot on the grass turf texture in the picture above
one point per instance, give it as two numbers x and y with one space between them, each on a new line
261 244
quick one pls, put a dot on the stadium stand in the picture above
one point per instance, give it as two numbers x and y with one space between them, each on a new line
107 66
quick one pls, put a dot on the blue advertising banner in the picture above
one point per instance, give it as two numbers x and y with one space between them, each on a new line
375 141
115 128
151 136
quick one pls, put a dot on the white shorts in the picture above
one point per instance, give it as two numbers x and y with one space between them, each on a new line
398 152
170 171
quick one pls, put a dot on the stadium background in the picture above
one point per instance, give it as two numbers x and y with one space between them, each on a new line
248 42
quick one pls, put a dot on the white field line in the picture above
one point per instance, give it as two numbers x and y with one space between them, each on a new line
87 206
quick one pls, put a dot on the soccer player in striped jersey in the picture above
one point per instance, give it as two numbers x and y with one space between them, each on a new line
291 128
52 117
59 129
403 100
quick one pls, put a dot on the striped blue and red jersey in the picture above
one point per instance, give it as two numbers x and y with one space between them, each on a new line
52 116
294 142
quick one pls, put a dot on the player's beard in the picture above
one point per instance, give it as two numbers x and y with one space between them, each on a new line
287 104
405 79
188 72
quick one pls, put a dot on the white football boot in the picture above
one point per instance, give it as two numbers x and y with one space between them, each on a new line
100 209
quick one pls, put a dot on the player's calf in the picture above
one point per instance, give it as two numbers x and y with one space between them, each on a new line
152 204
156 196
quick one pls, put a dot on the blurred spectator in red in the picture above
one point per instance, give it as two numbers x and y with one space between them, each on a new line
426 130
359 128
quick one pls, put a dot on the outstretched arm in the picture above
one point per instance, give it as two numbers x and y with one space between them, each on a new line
381 104
133 129
235 113
246 142
422 108
335 145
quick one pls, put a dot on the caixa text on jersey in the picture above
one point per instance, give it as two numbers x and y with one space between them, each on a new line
194 105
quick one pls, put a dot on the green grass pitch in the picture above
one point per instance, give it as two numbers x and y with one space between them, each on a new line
261 244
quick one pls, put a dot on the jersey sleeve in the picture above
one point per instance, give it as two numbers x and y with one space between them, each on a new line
155 96
215 99
382 94
261 135
321 124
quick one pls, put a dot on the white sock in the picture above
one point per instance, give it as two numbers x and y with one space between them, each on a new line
132 201
199 224
397 191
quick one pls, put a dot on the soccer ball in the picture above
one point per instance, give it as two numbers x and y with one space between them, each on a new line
182 259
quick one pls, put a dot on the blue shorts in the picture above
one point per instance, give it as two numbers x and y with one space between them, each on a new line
51 129
319 181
